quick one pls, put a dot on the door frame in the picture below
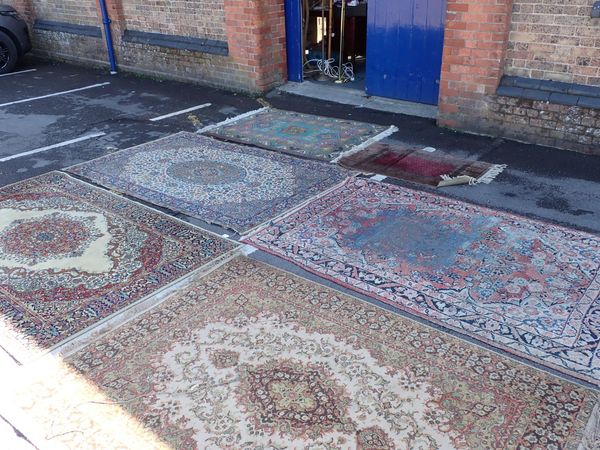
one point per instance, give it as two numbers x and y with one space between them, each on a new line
293 39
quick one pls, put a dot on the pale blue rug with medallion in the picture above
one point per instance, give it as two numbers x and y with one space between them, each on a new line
234 186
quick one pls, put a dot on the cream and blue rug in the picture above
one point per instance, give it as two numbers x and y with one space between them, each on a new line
237 187
300 134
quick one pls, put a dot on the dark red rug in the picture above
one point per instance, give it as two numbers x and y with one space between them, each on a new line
420 166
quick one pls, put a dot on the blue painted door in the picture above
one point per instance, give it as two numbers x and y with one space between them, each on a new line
405 39
293 37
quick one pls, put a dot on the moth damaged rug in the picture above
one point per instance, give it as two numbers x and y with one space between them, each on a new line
72 254
235 186
300 134
527 287
434 168
252 357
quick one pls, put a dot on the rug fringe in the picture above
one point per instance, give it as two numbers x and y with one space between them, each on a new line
231 120
447 180
591 435
491 174
391 130
486 178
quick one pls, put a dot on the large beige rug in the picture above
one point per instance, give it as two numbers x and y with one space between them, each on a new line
254 358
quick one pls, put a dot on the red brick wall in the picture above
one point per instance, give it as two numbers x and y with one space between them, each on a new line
256 36
555 41
474 51
479 47
254 30
25 7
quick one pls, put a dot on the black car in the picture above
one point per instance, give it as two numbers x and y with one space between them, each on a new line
14 38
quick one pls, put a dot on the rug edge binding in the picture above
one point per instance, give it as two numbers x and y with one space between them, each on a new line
373 140
147 303
491 174
260 227
231 120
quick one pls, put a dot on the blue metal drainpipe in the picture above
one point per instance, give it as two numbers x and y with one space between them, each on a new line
109 41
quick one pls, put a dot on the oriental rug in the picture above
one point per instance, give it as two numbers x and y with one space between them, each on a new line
72 254
301 134
237 187
254 358
420 166
527 287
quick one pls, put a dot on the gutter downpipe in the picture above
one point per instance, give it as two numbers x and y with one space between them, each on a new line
109 40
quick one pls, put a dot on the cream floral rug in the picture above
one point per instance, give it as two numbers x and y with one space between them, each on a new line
254 358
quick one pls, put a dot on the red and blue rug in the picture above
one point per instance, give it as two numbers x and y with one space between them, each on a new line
420 166
235 186
527 287
300 134
72 254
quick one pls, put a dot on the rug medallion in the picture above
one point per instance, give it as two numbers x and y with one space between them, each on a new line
251 357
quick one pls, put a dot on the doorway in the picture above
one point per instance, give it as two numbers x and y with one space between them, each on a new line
388 48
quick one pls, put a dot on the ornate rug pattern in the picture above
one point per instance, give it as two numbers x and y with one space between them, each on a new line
251 357
300 134
234 186
524 286
71 254
414 164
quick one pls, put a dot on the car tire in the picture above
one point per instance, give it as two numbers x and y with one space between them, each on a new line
9 54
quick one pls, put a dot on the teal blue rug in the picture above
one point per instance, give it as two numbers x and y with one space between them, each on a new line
300 134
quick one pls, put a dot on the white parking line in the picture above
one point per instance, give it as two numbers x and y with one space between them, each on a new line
55 94
183 111
248 249
17 73
378 177
50 147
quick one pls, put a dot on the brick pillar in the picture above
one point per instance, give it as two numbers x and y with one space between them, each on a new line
25 8
475 46
256 37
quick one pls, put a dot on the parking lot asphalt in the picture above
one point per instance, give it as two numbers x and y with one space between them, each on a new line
121 109
54 115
